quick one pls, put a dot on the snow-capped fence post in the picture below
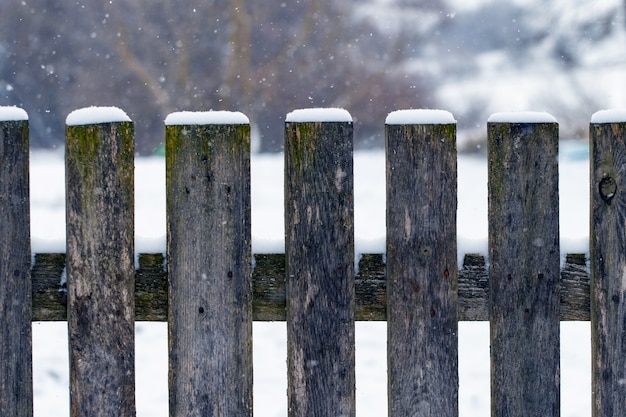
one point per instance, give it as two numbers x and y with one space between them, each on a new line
422 273
16 378
524 264
99 163
209 263
607 158
319 254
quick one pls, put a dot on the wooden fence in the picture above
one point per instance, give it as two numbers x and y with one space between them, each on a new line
213 288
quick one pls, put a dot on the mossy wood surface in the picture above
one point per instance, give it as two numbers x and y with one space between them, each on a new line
99 163
422 272
16 379
319 242
209 254
524 269
608 268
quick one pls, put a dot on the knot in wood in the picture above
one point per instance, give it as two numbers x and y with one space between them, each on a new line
607 189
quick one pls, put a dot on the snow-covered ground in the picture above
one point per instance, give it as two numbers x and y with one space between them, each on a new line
50 344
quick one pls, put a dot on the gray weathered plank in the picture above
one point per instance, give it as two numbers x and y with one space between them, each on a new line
49 293
422 326
268 286
524 268
16 379
473 289
575 305
151 288
608 268
100 268
319 246
209 266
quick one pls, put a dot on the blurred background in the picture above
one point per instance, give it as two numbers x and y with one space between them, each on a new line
471 57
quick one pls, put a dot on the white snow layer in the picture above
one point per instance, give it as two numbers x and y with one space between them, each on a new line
522 117
420 117
318 115
206 118
96 115
12 114
609 116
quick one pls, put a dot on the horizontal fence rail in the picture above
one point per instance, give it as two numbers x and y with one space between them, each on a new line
269 288
209 287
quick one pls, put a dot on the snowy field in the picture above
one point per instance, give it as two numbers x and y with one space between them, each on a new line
51 378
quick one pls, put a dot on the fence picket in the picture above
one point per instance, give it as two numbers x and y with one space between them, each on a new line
524 268
212 289
209 267
16 379
608 268
99 161
319 249
422 272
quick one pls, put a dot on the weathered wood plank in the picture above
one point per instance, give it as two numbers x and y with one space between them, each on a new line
49 287
100 268
473 289
16 378
608 268
151 288
370 286
575 288
269 287
422 325
319 243
524 268
209 267
268 283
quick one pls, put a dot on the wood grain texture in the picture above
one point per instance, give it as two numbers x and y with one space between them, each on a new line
209 267
422 326
99 164
473 288
608 268
151 288
319 246
268 287
16 378
49 293
524 268
575 303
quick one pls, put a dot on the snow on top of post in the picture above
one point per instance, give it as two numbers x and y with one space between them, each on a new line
206 118
318 115
420 117
609 116
522 117
12 114
96 115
